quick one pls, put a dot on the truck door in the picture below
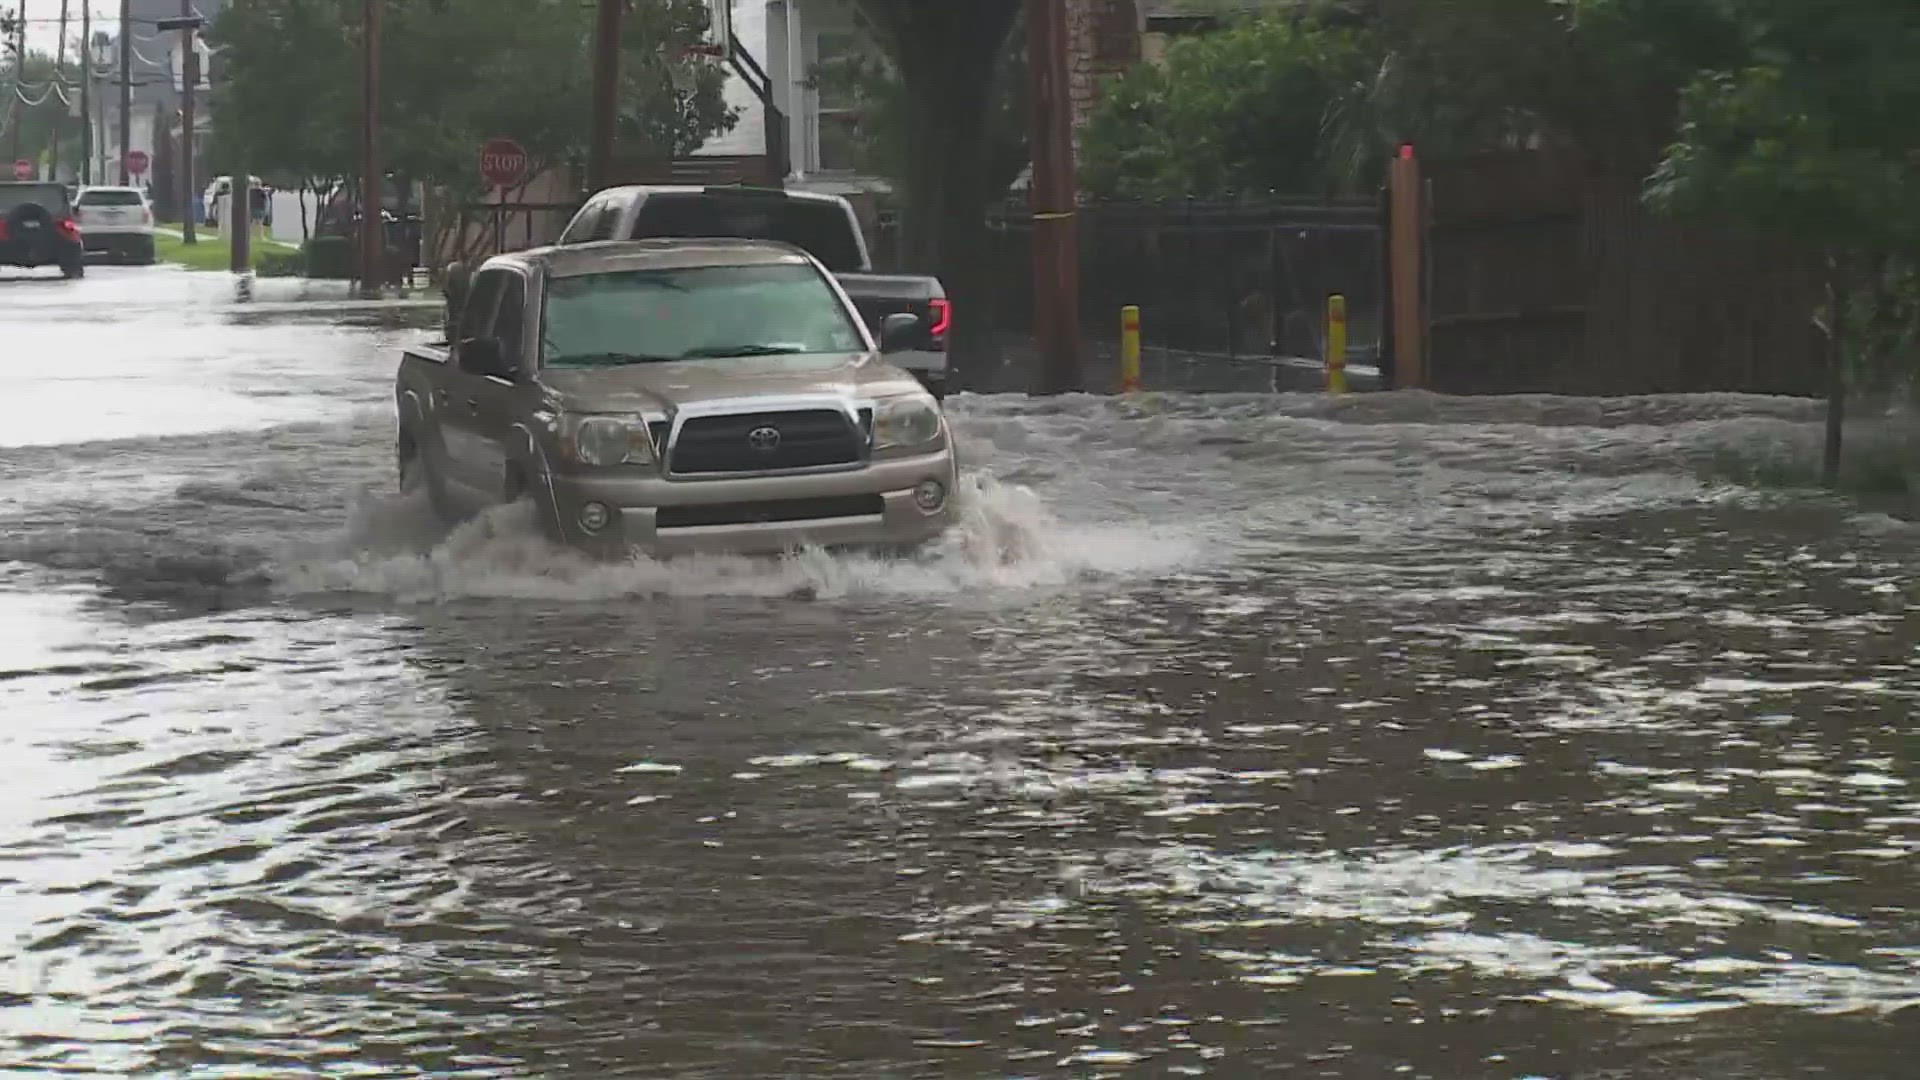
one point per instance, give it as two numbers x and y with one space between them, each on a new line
472 463
493 396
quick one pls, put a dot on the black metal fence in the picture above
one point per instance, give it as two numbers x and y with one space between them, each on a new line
1240 281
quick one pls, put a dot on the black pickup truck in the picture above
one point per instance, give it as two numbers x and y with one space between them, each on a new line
822 225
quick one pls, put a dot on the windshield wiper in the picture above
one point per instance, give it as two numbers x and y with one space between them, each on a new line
712 352
611 359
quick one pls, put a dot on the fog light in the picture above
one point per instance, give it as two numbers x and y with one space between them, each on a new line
594 516
930 495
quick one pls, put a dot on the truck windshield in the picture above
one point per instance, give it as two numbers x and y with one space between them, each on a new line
693 313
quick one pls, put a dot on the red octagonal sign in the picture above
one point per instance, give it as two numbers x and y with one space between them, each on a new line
137 162
23 169
503 163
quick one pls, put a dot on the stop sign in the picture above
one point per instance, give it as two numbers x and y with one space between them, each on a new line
503 163
137 162
23 169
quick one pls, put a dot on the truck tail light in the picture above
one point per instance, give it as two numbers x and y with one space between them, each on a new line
942 317
69 228
3 231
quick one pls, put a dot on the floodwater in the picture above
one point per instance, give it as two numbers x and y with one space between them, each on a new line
1254 735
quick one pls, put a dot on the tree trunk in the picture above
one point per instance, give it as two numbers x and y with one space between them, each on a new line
1836 329
947 57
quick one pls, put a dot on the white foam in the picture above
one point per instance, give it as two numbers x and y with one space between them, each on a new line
1004 539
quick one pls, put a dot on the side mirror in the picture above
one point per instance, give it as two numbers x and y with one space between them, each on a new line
900 331
484 356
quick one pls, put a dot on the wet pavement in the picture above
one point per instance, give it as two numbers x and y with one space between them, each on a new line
1243 735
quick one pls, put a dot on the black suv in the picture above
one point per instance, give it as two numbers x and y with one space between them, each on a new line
37 229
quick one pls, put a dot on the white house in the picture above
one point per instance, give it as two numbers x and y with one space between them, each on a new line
788 38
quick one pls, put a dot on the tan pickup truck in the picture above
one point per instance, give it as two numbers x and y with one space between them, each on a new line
676 396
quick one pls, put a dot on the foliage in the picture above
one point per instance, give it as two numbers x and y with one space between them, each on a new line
1253 108
452 75
330 257
1809 136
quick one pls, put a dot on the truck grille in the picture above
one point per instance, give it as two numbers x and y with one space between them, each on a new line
845 506
800 439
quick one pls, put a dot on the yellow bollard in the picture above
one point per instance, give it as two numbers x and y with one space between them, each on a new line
1129 349
1336 360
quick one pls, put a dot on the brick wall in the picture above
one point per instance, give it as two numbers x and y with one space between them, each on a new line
1103 38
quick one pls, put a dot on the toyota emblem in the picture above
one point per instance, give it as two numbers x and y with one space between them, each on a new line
764 438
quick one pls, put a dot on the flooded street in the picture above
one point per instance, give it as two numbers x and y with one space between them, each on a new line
1239 735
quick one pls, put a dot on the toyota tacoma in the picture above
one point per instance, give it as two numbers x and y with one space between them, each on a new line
675 396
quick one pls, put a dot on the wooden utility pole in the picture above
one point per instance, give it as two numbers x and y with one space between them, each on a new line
18 107
606 93
189 79
1054 196
86 91
126 89
373 239
59 61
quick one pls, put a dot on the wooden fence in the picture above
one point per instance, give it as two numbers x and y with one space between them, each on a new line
1545 279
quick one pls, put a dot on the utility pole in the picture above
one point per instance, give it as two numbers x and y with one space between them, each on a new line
606 94
19 72
1056 248
188 24
240 259
59 61
86 91
373 240
126 89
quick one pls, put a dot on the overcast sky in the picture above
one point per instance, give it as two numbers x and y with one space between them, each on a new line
43 24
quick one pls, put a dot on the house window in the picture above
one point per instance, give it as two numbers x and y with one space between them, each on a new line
1116 33
843 144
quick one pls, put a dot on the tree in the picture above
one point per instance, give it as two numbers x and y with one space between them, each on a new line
1810 138
1253 108
946 54
870 79
1599 77
452 78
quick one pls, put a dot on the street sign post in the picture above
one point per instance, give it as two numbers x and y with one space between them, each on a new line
503 163
23 169
136 162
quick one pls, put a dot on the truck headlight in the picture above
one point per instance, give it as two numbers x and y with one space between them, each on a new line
606 440
907 421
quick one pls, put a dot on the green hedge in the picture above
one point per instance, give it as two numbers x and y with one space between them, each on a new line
280 264
329 257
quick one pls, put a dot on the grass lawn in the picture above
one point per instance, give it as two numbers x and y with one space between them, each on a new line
213 252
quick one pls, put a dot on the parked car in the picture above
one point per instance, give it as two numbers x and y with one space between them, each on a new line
676 395
116 222
824 226
37 228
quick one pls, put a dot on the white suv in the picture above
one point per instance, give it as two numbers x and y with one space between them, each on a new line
117 222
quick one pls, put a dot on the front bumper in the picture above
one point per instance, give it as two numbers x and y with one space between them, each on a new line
650 511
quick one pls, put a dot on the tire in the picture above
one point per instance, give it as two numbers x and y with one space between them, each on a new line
74 268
